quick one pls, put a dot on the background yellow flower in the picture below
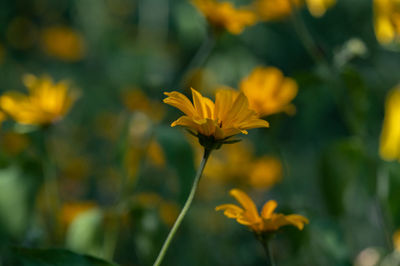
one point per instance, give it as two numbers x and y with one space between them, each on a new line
268 91
224 15
389 148
387 20
46 103
268 221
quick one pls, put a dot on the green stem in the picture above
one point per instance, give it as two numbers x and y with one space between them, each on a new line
184 209
50 185
264 240
381 198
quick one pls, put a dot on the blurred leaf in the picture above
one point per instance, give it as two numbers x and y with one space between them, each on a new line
55 257
85 233
344 161
356 106
17 191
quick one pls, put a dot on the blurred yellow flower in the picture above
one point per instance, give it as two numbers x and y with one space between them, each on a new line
318 8
275 9
46 103
236 164
167 210
389 148
387 20
265 172
230 115
268 91
13 143
267 222
223 15
396 240
136 101
63 43
70 211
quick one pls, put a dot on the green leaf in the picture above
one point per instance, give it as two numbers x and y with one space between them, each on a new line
54 257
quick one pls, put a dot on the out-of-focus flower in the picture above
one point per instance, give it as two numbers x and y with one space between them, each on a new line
268 91
275 9
265 172
229 116
396 240
266 222
63 43
21 33
236 164
13 143
70 211
389 148
318 8
354 47
387 20
167 210
368 257
46 103
223 15
156 154
136 101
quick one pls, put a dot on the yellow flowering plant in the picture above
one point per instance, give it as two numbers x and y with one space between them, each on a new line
46 103
214 123
269 91
223 15
263 224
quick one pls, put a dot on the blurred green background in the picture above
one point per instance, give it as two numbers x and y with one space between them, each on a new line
116 142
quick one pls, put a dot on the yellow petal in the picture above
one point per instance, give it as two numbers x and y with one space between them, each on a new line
247 204
268 209
297 220
181 102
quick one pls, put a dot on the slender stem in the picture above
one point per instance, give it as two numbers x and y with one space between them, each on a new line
184 209
264 240
198 59
50 185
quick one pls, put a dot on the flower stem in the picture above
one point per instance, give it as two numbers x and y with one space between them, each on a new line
184 209
264 240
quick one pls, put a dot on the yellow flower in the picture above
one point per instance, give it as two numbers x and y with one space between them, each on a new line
387 20
265 172
389 148
136 101
225 16
396 240
3 117
318 8
236 164
267 222
230 115
46 103
70 211
268 91
63 43
275 9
